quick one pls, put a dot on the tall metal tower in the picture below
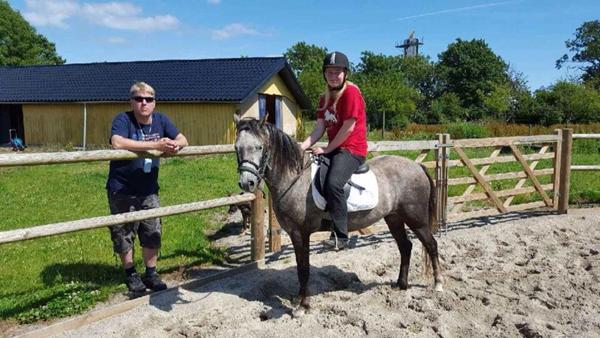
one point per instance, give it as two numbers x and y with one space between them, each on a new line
410 45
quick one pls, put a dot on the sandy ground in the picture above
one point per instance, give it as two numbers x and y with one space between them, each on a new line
529 275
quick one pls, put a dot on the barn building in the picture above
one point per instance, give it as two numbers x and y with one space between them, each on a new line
75 103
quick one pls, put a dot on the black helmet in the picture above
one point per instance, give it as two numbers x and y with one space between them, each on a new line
336 59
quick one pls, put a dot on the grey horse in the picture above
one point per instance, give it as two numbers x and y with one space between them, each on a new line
406 196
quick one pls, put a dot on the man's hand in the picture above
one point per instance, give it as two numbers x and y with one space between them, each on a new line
166 145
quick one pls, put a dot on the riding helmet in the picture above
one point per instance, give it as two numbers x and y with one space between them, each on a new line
336 59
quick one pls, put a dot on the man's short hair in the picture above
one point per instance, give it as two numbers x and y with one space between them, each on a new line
141 86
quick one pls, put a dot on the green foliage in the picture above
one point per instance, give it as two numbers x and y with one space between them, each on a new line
470 69
446 108
567 102
586 49
307 62
20 44
466 130
385 89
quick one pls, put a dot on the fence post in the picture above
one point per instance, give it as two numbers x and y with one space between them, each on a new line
274 229
257 226
565 170
438 180
445 158
556 164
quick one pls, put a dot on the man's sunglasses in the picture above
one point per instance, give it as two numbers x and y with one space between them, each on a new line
148 99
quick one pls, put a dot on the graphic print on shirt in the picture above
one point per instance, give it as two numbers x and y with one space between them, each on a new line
330 118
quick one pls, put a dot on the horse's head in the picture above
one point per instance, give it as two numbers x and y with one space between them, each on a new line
252 153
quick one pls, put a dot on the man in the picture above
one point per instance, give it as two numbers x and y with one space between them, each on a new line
133 184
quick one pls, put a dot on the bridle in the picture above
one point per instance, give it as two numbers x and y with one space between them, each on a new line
257 170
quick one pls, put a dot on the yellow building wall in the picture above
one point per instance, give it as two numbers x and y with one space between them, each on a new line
289 108
53 124
201 123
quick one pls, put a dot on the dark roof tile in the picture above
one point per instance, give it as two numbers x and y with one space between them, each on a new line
230 80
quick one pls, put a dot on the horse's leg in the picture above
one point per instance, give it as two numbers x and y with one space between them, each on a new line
396 225
423 232
301 243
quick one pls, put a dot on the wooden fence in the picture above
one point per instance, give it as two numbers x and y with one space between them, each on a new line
556 147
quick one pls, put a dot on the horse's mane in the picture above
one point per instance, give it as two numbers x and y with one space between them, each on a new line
285 152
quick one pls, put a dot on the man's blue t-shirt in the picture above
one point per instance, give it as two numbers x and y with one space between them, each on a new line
128 176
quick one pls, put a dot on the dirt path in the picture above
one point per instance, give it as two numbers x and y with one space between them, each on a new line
519 275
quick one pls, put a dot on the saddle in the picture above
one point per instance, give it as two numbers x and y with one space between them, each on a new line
361 190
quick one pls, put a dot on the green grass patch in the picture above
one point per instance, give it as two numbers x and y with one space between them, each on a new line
67 274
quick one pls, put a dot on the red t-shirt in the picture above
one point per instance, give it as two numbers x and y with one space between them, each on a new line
350 105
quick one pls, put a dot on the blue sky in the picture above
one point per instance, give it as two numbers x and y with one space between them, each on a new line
527 34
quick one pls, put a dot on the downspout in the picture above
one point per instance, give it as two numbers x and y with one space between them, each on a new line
84 125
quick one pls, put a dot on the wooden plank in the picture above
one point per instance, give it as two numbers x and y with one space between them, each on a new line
565 170
498 177
422 155
504 141
99 222
500 193
482 172
586 136
530 174
429 164
257 226
27 159
445 171
401 145
113 310
556 163
488 189
525 206
585 167
521 182
501 159
274 229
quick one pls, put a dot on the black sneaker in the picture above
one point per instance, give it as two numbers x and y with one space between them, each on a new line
134 283
153 282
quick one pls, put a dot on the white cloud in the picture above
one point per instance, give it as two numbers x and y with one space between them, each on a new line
233 30
50 13
126 16
116 15
213 2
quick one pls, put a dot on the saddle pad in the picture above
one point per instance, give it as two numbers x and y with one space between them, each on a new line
359 199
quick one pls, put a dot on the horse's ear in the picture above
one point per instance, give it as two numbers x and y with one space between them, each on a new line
236 118
264 119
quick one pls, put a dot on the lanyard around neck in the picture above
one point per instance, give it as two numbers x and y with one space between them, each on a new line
142 130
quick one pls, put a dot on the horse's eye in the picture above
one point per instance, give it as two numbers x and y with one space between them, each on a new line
259 147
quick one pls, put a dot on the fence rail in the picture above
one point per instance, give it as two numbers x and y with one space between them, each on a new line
441 164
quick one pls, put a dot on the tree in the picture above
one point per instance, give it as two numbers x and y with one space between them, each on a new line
567 102
307 62
586 49
386 90
20 44
471 70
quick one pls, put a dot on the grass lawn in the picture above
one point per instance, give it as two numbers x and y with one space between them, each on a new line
67 274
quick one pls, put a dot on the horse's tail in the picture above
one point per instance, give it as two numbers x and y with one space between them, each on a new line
433 223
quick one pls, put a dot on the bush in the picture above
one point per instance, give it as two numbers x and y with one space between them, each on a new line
467 130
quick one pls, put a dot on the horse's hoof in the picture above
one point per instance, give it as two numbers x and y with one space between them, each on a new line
298 312
401 285
438 287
